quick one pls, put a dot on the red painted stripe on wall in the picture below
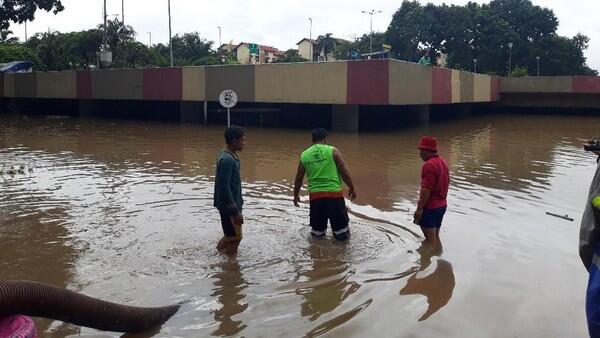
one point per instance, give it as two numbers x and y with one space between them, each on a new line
84 85
163 84
586 84
441 86
368 82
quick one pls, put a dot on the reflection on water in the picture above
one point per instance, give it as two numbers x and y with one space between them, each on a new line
437 286
229 287
122 210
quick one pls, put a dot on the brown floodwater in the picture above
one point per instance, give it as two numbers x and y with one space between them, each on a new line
122 211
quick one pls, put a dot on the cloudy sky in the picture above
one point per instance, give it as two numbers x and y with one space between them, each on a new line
278 22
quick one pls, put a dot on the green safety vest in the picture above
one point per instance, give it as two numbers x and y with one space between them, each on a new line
596 202
320 169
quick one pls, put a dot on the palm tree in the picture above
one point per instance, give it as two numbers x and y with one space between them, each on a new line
326 44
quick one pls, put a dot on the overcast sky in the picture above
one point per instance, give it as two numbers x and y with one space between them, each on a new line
279 23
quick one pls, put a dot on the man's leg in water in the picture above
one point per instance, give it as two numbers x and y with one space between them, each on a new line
431 235
339 219
232 235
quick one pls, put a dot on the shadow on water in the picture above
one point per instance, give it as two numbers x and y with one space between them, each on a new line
437 286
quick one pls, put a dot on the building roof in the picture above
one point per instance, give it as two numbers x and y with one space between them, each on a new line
227 46
314 42
262 47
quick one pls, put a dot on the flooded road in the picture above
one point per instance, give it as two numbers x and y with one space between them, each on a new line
123 211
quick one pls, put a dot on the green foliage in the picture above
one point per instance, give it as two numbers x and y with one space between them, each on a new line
519 71
189 49
291 55
483 32
326 45
20 11
16 52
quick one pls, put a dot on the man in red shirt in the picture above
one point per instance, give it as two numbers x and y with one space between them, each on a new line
435 179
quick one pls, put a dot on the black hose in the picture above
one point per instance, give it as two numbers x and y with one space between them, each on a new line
47 301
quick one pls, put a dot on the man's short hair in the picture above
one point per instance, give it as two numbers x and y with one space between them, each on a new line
233 133
319 134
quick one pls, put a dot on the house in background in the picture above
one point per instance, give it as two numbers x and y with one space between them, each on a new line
305 46
252 53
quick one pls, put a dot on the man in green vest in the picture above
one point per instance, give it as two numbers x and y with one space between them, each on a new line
325 169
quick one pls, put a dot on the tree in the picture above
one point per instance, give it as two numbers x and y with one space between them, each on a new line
19 11
17 52
326 44
49 47
291 55
483 32
189 49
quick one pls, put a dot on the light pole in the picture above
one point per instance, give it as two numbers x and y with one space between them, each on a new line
538 65
150 38
123 13
170 36
220 42
104 35
475 65
312 56
371 13
510 46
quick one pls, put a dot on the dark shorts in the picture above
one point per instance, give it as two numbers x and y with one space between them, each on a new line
332 210
432 218
230 230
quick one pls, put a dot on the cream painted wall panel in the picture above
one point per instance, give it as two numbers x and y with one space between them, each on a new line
455 86
194 83
482 88
324 82
410 83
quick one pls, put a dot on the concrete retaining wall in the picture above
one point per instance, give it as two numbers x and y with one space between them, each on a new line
410 83
57 85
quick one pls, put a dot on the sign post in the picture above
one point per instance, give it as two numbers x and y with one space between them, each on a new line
228 99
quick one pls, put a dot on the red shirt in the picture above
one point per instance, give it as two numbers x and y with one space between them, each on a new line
436 177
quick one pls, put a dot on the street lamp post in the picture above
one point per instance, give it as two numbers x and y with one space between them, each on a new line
220 41
538 65
170 36
371 13
475 65
312 56
510 46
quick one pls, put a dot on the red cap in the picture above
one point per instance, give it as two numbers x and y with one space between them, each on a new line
428 143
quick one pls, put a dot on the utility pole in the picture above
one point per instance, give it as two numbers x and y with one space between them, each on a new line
510 46
371 13
104 35
25 31
220 41
150 36
170 36
538 65
312 53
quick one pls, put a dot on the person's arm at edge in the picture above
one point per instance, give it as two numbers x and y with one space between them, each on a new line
298 183
343 170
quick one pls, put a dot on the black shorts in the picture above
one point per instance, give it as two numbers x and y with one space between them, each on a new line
230 230
432 218
334 210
